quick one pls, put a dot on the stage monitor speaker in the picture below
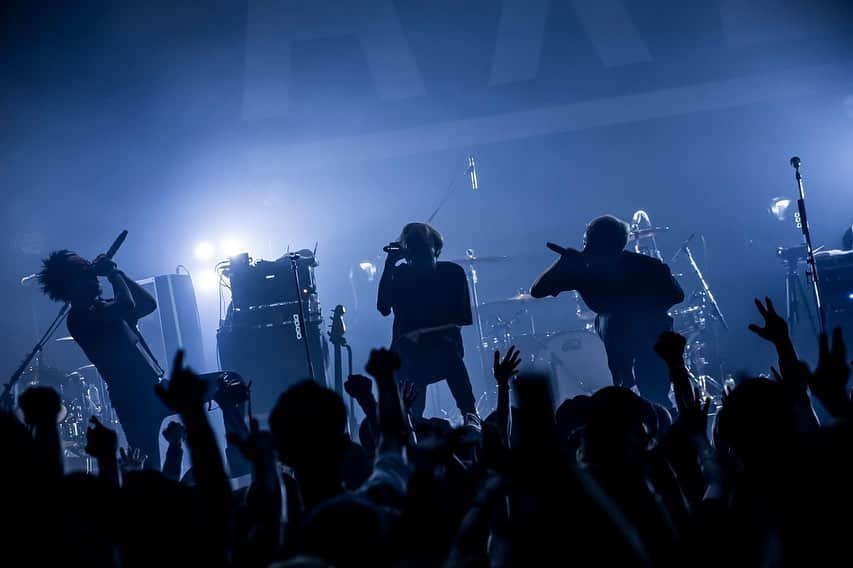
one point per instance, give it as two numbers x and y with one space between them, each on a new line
174 324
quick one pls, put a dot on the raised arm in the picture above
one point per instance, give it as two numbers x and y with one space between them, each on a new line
393 425
504 370
385 297
561 276
185 394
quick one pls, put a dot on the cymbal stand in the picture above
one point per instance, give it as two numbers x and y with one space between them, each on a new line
478 322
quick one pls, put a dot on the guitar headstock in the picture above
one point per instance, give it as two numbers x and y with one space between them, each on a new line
338 328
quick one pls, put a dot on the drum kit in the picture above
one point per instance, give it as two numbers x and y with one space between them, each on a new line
84 395
557 335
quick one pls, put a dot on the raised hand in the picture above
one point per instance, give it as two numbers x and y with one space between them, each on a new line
359 387
694 415
829 380
409 392
504 369
670 347
131 460
382 363
41 406
257 447
174 433
775 329
101 442
185 391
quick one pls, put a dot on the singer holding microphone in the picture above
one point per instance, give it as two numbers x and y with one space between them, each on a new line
629 292
430 302
106 332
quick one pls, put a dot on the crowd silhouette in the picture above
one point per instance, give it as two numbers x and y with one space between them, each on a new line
609 479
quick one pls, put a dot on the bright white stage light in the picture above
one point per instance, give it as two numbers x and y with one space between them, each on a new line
779 207
206 280
204 251
368 268
231 245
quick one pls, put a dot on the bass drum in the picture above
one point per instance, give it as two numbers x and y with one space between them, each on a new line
576 361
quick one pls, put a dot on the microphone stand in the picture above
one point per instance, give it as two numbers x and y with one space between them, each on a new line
471 171
803 224
294 257
6 400
705 288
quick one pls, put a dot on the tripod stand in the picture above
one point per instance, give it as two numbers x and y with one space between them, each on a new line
795 293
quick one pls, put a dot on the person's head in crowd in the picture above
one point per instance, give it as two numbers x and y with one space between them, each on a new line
308 423
346 531
756 423
616 432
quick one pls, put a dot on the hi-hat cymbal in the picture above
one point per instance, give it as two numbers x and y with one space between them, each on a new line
520 298
646 233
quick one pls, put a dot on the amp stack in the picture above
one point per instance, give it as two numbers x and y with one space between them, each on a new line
262 336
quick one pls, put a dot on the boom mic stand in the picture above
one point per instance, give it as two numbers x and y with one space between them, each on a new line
6 401
803 225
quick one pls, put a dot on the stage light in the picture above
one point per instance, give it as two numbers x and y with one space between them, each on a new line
779 207
204 251
206 280
231 245
369 269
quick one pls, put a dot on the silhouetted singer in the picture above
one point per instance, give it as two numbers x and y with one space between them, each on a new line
630 294
430 302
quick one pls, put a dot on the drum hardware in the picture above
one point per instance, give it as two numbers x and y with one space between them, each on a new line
693 320
795 294
642 234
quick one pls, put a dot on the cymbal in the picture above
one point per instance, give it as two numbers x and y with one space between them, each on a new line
480 260
646 233
68 338
520 298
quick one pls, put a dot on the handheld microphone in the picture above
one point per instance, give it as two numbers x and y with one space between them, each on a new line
682 247
392 247
472 173
557 248
116 244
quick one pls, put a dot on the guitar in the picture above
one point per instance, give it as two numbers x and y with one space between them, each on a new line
338 340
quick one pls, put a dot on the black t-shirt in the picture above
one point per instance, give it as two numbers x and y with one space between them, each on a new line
106 335
433 299
625 285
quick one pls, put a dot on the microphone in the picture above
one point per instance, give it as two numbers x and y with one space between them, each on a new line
116 244
392 247
472 172
795 162
557 248
682 248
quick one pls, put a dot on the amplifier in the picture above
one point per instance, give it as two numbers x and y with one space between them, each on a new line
272 357
174 324
835 269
